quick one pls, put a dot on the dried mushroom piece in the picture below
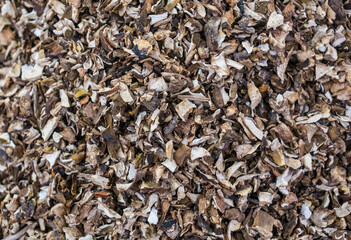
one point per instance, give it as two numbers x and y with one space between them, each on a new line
142 48
31 73
263 224
184 108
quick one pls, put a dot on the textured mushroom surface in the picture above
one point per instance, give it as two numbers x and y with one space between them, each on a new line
175 119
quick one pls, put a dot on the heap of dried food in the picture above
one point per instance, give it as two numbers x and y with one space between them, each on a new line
175 119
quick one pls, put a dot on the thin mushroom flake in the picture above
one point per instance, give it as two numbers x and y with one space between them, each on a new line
175 119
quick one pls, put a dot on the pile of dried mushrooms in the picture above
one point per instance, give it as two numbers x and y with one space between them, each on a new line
175 119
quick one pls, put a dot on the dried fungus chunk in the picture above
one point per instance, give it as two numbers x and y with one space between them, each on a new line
80 93
153 218
49 127
112 141
265 198
199 152
245 149
235 214
142 48
31 73
284 133
184 108
100 181
54 49
58 7
64 99
158 84
126 94
275 20
337 174
212 33
109 212
344 210
52 158
263 224
182 154
157 18
319 217
170 164
6 36
72 233
337 6
322 69
250 127
254 94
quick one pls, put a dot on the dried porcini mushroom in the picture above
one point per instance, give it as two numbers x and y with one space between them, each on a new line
263 224
169 119
141 47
